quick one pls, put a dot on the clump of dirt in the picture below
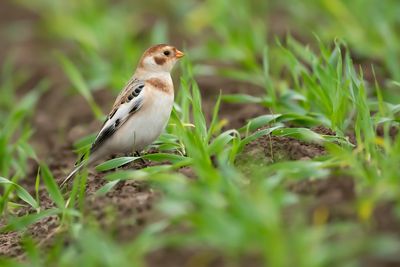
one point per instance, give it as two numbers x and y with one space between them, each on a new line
276 148
324 130
269 149
125 210
201 256
331 189
385 218
393 131
128 207
42 231
9 244
236 115
334 196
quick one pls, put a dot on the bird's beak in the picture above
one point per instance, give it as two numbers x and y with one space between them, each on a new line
179 54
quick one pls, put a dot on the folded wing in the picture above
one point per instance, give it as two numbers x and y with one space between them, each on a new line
128 103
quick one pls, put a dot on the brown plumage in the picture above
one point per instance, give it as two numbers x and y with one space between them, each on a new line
160 60
159 85
142 109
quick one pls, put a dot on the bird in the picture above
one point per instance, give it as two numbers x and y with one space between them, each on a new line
141 110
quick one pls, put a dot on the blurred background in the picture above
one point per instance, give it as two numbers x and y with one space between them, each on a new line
63 62
113 34
226 40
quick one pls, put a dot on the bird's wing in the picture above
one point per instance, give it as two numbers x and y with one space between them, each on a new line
127 103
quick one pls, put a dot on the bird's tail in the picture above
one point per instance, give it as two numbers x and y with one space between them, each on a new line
74 171
86 160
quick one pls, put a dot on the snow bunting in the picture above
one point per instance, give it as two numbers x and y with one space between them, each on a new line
141 111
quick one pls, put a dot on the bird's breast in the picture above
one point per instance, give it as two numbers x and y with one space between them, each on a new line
147 124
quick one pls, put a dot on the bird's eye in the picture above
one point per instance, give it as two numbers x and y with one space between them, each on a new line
166 52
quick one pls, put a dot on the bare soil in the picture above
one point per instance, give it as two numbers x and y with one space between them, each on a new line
61 118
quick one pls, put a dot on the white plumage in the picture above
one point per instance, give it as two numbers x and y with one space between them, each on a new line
141 111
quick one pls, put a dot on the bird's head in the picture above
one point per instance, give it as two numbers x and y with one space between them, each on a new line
160 58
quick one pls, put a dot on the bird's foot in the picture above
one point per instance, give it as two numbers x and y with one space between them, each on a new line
144 163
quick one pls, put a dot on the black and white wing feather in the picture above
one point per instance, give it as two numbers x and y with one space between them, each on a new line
127 103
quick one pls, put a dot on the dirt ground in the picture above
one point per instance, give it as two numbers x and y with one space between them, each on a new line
131 203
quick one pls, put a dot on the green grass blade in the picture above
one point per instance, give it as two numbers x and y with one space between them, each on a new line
107 187
52 187
221 141
21 193
114 163
20 223
159 157
79 84
299 133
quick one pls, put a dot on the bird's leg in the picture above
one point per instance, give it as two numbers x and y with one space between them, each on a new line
137 154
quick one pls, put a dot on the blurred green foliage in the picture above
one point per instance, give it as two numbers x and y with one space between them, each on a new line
320 79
